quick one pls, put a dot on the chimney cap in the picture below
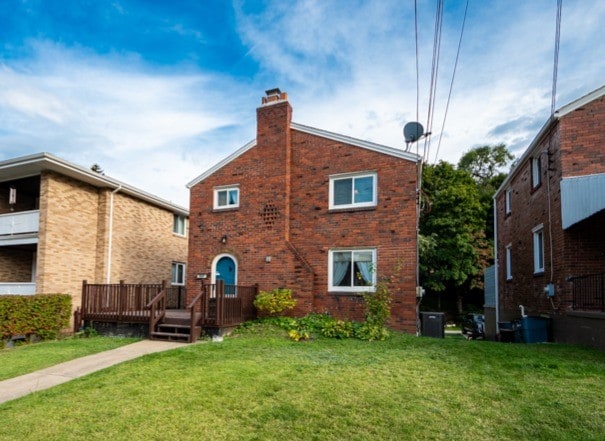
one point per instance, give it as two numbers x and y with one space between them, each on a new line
274 96
273 92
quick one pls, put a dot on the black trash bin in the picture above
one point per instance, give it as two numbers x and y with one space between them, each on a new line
432 324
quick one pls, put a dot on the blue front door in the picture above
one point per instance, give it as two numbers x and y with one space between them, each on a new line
225 270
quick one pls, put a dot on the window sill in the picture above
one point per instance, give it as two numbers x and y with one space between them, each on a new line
351 209
539 273
221 210
347 293
535 189
184 236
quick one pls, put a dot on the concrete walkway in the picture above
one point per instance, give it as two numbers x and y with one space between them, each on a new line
61 373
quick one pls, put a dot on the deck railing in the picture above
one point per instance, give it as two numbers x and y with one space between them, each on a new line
227 305
120 302
589 292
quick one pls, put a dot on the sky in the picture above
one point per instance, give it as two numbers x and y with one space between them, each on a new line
157 92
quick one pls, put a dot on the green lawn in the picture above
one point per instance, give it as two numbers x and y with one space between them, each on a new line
261 386
31 357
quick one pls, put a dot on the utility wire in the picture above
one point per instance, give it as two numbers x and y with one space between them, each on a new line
556 61
434 76
449 96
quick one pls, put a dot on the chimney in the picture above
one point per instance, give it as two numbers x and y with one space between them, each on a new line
274 96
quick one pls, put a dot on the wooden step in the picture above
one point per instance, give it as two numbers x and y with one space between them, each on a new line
173 326
169 336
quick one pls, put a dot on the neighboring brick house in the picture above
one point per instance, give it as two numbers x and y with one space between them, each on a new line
550 226
61 224
317 212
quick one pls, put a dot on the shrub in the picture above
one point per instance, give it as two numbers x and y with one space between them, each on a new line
44 315
378 312
275 302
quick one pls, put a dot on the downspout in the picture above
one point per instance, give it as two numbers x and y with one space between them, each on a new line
496 272
110 238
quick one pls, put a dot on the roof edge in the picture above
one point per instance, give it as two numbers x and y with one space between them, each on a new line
48 161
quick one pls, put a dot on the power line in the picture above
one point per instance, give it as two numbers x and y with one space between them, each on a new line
434 76
556 61
449 96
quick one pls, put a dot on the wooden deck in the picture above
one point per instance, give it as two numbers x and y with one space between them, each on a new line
215 306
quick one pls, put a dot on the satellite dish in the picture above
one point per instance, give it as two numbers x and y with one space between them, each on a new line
412 132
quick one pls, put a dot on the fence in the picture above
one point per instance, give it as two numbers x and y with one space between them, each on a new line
589 292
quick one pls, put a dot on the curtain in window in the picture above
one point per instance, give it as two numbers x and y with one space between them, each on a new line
363 262
341 262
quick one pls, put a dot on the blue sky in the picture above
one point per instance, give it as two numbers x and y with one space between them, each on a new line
157 92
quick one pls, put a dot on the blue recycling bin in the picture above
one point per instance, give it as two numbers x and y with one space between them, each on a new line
534 329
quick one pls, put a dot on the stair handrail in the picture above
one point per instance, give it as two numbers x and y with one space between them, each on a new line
158 309
191 307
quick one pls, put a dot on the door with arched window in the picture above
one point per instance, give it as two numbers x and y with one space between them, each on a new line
225 269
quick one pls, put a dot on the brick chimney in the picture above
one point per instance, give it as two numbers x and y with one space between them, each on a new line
273 142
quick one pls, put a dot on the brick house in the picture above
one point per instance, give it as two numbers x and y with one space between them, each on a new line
61 224
320 213
550 219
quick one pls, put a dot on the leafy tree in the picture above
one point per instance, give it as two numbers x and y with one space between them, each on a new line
484 163
452 229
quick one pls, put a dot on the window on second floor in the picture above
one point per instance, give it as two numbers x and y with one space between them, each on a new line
179 225
507 200
509 262
226 197
353 190
538 233
178 273
536 171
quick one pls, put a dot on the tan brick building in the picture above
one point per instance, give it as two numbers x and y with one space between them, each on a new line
550 227
61 224
320 213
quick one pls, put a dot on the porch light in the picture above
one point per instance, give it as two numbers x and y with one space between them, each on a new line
224 239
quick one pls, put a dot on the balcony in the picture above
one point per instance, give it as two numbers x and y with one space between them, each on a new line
19 228
17 288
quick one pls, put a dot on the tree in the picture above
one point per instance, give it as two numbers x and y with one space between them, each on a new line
452 229
484 163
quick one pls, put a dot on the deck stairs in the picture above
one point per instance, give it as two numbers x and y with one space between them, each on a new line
176 326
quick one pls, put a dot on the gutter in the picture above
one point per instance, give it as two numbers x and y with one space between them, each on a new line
496 269
110 239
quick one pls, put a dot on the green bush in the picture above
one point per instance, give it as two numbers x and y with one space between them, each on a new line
275 302
44 315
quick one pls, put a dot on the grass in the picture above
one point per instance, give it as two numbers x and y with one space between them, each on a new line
259 385
27 358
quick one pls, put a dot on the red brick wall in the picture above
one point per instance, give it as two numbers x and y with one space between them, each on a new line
284 214
576 147
583 139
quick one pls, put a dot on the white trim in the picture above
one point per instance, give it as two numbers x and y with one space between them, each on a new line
561 112
538 231
177 264
227 188
176 233
574 105
509 261
399 153
391 151
222 163
353 176
507 201
536 170
369 288
215 261
33 165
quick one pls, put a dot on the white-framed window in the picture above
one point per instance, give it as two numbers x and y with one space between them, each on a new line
179 225
536 171
353 190
509 262
538 233
352 270
178 273
507 200
226 197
